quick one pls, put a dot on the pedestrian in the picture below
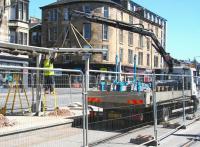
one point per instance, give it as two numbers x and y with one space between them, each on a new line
49 80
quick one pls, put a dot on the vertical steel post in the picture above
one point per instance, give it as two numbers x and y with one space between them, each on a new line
33 94
120 71
38 91
70 90
87 68
134 69
155 108
183 94
83 101
116 67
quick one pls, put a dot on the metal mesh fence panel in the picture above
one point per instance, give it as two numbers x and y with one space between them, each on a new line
60 120
119 107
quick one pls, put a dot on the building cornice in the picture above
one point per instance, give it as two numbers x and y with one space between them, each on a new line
109 2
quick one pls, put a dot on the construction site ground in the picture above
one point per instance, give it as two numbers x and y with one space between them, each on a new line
31 123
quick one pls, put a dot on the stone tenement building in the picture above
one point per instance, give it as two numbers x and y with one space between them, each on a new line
55 24
14 22
14 28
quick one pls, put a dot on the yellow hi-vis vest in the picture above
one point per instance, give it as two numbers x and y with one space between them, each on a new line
49 65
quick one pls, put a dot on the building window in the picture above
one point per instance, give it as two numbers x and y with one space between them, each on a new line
145 14
34 38
148 44
25 39
87 30
20 38
87 9
121 54
53 15
121 36
52 33
140 58
66 14
155 61
50 15
130 19
20 11
130 38
140 41
12 37
105 53
55 33
25 12
152 17
156 19
148 59
134 8
106 11
148 15
130 56
13 12
105 32
129 6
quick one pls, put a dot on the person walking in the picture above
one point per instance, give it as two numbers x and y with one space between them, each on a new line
49 80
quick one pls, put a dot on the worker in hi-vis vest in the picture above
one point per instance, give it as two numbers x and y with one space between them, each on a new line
49 81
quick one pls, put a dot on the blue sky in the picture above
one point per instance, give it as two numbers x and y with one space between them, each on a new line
183 26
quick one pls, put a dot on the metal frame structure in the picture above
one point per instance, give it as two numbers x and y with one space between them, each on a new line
17 49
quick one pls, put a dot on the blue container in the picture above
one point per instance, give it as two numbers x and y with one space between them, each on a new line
139 86
102 86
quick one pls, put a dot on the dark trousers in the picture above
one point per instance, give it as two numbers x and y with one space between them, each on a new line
49 82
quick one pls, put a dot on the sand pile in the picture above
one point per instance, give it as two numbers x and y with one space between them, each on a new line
4 122
61 112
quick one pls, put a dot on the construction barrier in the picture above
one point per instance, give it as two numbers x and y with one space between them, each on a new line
158 103
142 107
31 101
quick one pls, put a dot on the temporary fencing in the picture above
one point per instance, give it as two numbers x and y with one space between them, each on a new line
22 93
122 104
119 103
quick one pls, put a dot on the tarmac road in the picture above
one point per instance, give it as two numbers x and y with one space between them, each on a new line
181 137
65 97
